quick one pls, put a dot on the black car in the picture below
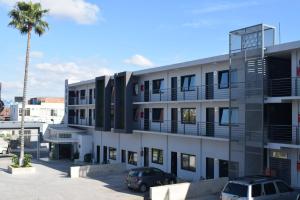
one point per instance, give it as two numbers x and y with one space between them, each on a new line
143 178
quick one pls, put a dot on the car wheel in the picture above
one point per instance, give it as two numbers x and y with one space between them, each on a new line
143 188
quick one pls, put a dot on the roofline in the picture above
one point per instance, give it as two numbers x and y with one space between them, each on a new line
80 83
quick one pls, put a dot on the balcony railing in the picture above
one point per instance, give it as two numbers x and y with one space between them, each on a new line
186 128
286 134
84 122
203 92
283 87
81 100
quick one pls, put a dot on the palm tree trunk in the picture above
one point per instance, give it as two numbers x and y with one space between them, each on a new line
21 160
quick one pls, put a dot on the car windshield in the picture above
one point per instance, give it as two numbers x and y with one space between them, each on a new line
236 189
134 173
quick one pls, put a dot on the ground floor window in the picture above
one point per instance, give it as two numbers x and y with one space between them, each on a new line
188 162
157 156
112 153
132 158
223 168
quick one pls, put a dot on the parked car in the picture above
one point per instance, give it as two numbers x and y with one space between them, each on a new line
258 188
3 146
143 178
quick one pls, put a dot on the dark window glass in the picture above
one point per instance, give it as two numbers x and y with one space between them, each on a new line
224 116
256 190
157 86
157 114
157 171
135 114
157 156
188 162
223 79
282 187
82 94
223 168
236 189
112 153
188 115
132 158
269 188
82 113
188 83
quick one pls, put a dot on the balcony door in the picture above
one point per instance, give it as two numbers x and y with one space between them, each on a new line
90 96
146 119
174 120
146 91
146 157
174 88
210 121
209 85
90 117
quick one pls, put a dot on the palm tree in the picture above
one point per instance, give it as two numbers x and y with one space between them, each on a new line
27 17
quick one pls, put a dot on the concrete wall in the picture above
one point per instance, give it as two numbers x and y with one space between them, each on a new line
182 191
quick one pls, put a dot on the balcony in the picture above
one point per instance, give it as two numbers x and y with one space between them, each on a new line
81 122
283 87
205 129
282 134
195 93
81 101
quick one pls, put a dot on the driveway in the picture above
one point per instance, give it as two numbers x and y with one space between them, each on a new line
51 182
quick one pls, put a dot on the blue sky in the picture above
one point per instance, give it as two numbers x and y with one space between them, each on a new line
88 38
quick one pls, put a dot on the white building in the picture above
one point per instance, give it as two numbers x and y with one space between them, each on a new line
47 110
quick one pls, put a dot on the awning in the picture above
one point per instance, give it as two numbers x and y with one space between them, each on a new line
62 134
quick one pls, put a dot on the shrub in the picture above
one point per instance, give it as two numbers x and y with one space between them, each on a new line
27 160
88 157
15 161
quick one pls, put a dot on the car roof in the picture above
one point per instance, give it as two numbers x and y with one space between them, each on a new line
253 179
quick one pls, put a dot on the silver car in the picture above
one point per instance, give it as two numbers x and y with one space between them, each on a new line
258 188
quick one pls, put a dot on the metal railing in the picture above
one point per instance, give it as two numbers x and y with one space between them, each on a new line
77 121
81 100
286 134
202 92
283 87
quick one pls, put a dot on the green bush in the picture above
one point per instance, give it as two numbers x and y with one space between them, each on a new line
15 161
27 160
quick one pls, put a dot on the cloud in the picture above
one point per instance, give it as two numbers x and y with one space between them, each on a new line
36 54
139 60
199 23
79 11
224 6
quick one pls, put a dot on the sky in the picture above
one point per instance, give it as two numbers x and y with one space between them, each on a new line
89 38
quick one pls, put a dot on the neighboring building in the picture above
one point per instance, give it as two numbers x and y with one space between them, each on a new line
43 109
228 115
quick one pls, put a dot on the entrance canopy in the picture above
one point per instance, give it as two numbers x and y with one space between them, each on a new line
62 134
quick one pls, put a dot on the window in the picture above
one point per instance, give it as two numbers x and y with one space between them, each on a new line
236 189
53 112
157 114
282 187
132 158
27 112
157 156
157 86
82 113
269 188
135 114
112 153
135 89
82 94
223 168
188 115
223 79
188 162
224 116
256 190
188 83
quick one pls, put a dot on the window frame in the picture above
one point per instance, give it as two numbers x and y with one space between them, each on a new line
130 160
157 90
230 112
274 187
220 78
189 121
189 87
112 153
161 115
189 167
82 94
160 156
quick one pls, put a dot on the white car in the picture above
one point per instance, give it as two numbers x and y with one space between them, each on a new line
3 146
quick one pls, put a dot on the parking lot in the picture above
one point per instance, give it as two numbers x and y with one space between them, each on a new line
51 181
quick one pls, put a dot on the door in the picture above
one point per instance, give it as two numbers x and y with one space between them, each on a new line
98 154
209 85
90 117
174 163
123 156
146 157
210 167
105 154
210 122
174 120
146 91
146 119
174 88
91 96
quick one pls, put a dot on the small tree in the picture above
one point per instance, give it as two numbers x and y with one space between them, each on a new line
27 17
